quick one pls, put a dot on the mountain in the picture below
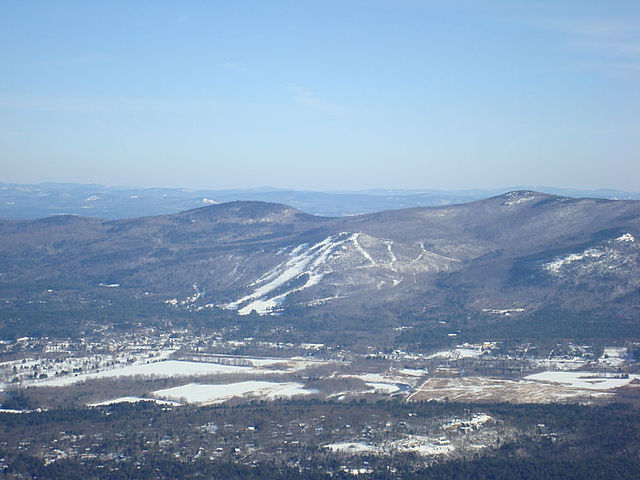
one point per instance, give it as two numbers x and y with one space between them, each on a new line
21 202
523 264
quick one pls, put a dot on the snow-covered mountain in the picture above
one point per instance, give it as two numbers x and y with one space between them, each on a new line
521 252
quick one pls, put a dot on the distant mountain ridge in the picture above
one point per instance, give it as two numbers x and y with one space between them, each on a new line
516 255
20 202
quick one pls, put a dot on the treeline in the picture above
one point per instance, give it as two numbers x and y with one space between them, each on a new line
164 467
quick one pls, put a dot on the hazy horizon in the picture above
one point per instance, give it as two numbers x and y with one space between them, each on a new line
324 96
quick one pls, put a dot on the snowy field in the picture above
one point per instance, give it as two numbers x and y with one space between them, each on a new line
485 389
211 394
167 368
465 350
582 380
415 444
386 383
133 400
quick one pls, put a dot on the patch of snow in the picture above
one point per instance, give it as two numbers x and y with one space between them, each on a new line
212 394
365 254
583 380
505 311
352 447
389 388
412 443
465 350
303 260
165 368
613 356
626 238
392 256
132 400
476 421
320 301
517 198
422 446
555 266
413 372
433 255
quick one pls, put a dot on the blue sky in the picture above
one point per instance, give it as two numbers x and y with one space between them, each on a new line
321 95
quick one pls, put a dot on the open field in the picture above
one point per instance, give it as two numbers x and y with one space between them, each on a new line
538 389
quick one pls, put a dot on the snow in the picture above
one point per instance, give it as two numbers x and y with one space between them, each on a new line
626 238
582 380
384 387
132 400
351 447
611 255
412 443
421 446
563 363
387 383
365 254
167 368
461 351
303 260
487 389
476 421
211 394
433 255
351 259
504 311
517 198
392 256
413 372
555 266
614 356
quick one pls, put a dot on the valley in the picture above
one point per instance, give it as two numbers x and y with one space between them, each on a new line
250 338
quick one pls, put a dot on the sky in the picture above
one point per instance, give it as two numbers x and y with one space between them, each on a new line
321 95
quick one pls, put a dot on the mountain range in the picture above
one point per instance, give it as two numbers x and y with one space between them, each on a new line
20 202
523 264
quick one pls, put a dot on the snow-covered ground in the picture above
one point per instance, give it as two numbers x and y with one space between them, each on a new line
517 198
132 400
352 447
614 356
619 253
559 363
414 372
626 238
304 260
476 421
211 394
166 368
486 389
389 382
389 388
503 311
555 266
361 259
582 380
412 443
465 350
